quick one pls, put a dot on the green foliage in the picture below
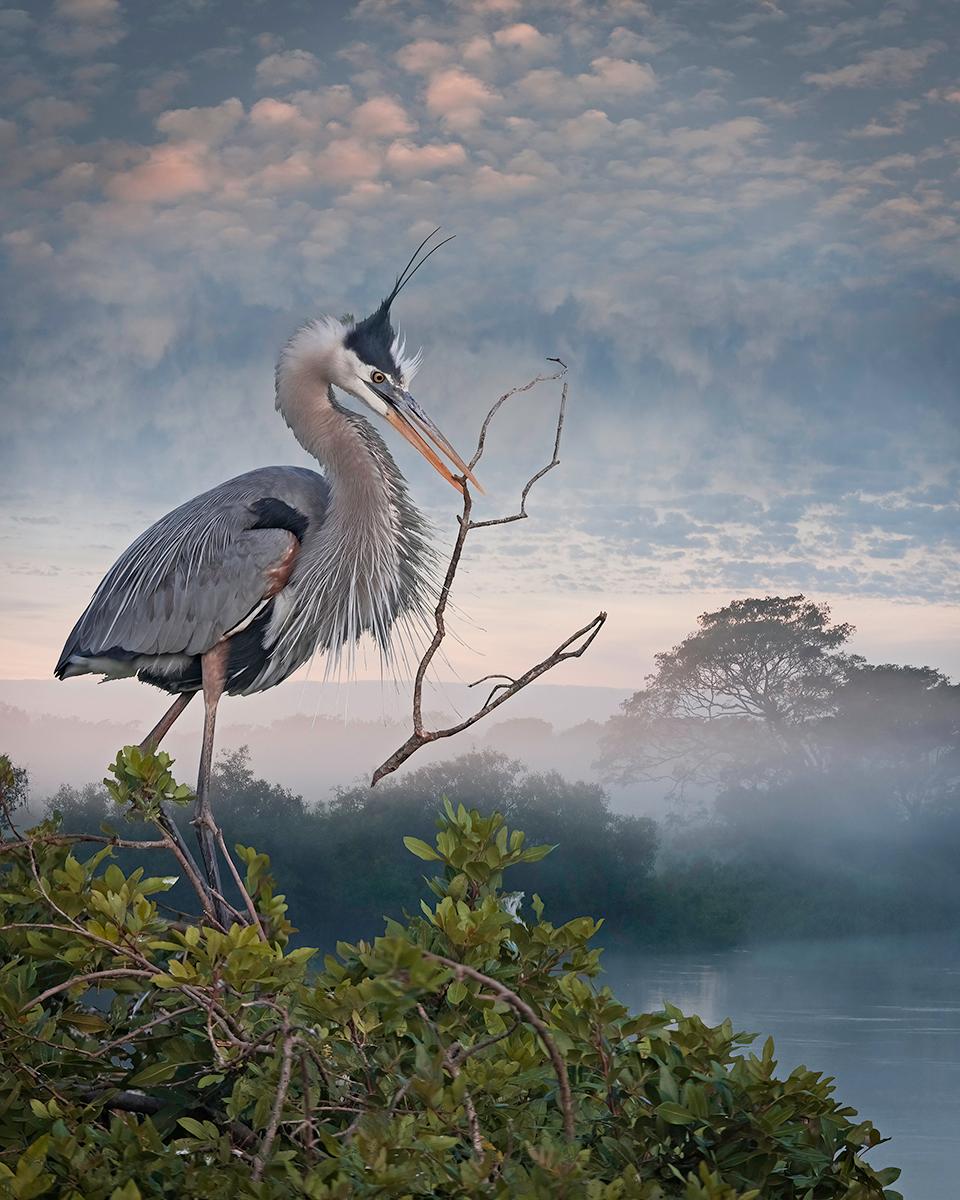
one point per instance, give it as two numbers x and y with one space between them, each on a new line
143 1056
346 868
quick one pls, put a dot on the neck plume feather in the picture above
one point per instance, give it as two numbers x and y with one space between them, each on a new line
369 568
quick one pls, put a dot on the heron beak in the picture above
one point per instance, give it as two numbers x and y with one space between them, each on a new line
406 416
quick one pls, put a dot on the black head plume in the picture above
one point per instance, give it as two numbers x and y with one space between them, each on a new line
372 338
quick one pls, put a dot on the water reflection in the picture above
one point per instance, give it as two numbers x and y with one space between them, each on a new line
882 1015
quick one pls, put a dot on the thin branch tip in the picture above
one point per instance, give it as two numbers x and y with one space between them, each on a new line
508 685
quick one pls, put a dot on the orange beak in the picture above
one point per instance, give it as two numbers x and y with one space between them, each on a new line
406 416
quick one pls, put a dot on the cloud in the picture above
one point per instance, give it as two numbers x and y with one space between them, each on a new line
381 117
348 160
210 125
408 160
609 79
458 98
501 185
158 93
875 68
168 173
893 125
424 56
51 114
525 39
287 67
82 27
278 116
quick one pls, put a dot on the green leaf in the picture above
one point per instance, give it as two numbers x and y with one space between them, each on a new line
155 1072
195 1128
420 848
674 1114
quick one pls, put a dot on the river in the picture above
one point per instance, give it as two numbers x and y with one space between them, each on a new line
882 1015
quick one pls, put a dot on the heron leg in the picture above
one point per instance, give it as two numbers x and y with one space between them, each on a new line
164 725
214 673
149 746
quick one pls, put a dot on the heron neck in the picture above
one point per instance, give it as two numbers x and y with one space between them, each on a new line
356 462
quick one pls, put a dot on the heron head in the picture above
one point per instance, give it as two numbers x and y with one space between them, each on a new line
367 359
381 379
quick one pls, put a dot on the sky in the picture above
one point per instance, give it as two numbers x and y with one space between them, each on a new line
738 222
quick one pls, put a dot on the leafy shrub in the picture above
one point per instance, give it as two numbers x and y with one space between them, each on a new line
466 1052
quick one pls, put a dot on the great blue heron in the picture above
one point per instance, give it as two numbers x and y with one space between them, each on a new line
238 587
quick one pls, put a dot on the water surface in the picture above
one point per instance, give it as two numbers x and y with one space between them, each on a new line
882 1015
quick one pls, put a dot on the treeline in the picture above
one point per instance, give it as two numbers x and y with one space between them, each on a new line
343 866
812 794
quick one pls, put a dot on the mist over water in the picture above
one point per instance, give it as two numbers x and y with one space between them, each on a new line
880 1014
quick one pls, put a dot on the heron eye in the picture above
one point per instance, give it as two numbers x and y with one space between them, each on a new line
378 377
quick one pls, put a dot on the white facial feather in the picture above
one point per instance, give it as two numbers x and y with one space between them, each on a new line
408 367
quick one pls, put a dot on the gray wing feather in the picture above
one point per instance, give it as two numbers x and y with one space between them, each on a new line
197 572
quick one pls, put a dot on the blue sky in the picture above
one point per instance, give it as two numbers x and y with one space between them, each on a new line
738 222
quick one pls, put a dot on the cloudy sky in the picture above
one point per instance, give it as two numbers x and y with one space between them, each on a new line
737 221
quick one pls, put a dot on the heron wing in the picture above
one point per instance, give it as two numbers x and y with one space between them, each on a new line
200 571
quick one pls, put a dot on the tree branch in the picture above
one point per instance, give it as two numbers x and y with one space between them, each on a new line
502 992
116 973
574 646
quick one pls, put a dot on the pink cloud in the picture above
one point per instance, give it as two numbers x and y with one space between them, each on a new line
297 171
501 184
619 76
275 114
381 116
347 160
458 97
889 64
608 79
525 38
286 67
168 173
208 125
423 56
404 158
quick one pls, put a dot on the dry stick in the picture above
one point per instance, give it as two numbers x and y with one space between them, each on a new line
309 1141
502 992
286 1068
502 691
132 1034
466 1052
241 887
78 979
68 839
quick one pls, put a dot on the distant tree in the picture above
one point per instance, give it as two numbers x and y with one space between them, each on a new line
898 727
737 696
242 795
361 828
14 788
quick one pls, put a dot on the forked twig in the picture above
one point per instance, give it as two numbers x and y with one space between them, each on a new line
574 646
501 992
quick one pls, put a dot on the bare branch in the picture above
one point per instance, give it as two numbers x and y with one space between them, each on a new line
522 514
241 887
502 992
574 646
94 976
283 1086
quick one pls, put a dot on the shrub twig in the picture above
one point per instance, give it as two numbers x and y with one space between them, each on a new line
502 992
